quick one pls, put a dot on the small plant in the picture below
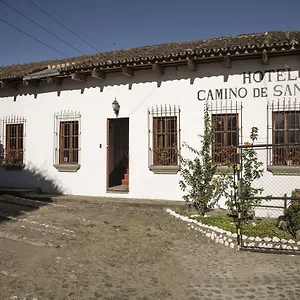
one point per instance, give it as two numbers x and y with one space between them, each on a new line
252 169
292 216
13 157
166 156
203 189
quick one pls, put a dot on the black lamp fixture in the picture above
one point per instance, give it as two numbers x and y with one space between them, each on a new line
116 107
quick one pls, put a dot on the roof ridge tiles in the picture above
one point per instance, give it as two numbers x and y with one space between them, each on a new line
236 44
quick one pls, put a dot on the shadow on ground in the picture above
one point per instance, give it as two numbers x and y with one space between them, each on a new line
23 188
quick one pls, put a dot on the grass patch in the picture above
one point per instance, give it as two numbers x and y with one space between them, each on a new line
263 228
223 222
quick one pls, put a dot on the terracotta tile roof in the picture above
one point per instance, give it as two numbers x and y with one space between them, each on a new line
239 44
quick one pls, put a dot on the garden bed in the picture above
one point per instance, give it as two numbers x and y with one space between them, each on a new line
256 234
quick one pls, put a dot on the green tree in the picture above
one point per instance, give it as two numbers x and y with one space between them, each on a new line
202 187
251 170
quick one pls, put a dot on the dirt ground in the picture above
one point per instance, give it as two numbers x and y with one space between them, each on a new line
89 249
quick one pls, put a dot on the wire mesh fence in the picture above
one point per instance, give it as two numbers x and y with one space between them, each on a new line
270 205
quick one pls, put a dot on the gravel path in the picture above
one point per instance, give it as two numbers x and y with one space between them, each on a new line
88 249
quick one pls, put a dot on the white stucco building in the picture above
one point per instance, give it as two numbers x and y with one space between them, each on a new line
59 131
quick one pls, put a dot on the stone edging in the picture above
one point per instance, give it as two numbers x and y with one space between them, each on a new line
216 234
227 238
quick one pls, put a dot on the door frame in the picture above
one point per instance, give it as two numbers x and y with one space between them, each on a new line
107 152
108 122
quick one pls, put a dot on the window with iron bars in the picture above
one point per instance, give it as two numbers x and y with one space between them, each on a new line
285 134
225 134
164 136
13 137
67 133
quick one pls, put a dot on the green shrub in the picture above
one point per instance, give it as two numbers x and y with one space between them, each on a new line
264 228
251 170
199 182
292 215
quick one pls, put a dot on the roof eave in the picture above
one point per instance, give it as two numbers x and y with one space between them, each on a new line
174 59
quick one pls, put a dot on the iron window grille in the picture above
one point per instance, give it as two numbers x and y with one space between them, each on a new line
285 133
12 148
164 136
225 133
67 137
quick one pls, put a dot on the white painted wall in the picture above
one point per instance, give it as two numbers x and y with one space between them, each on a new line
135 95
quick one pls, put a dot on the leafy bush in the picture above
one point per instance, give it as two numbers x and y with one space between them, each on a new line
292 215
199 181
252 169
265 228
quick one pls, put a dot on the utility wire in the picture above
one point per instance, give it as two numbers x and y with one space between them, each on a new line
57 13
33 37
41 27
38 7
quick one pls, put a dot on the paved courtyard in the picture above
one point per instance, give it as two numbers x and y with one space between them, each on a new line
86 248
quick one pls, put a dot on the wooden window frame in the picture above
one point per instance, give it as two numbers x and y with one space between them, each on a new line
286 152
14 154
13 134
226 153
66 155
165 153
164 139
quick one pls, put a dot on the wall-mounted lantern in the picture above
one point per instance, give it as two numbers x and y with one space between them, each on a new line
116 107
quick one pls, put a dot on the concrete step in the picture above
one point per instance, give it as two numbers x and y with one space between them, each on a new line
41 197
19 191
26 195
118 189
21 201
125 182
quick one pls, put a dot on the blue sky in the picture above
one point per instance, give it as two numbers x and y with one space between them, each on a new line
119 24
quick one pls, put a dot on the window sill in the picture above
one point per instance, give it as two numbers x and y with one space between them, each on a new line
13 167
285 170
164 169
67 167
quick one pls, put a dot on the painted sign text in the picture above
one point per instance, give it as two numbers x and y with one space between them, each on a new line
285 87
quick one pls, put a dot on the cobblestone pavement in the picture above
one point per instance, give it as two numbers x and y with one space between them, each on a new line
88 249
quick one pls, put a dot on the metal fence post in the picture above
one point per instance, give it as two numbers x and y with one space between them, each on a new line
238 201
268 193
285 203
